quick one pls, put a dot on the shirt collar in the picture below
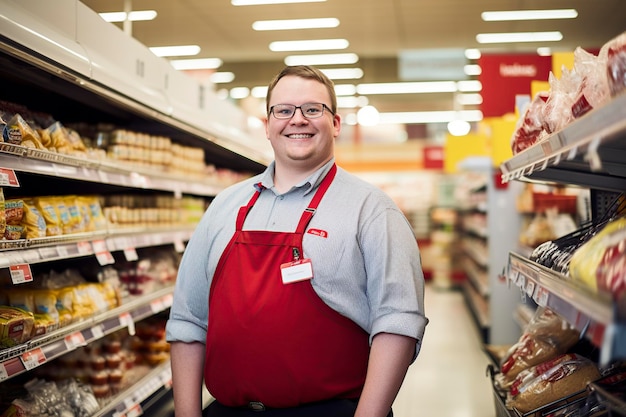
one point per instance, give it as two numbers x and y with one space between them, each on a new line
267 177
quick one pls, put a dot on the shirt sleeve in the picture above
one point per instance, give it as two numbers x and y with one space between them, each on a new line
189 312
395 282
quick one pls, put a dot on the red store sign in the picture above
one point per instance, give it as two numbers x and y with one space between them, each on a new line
505 76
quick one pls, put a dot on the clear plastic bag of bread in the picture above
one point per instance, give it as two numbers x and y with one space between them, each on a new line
546 336
557 112
558 378
616 63
593 90
529 129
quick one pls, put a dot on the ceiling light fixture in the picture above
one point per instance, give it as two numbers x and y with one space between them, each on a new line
345 89
134 16
308 45
472 99
514 37
425 117
343 73
222 77
352 102
288 24
239 92
472 69
182 50
408 87
194 64
259 2
322 59
472 54
545 51
501 16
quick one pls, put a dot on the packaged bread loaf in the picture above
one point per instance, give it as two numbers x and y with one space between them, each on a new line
551 381
546 336
16 325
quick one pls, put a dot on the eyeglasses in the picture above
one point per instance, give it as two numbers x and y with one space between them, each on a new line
309 110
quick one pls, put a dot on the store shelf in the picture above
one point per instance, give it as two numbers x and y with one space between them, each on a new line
592 314
38 161
131 402
477 275
479 308
36 352
588 152
40 250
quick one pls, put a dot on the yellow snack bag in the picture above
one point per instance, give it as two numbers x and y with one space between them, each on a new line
77 224
33 221
49 212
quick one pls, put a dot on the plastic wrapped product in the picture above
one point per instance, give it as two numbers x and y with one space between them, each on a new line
530 127
551 381
546 336
616 64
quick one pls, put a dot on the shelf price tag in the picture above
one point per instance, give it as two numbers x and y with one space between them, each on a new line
103 255
157 306
179 246
84 248
127 320
8 178
530 288
33 358
131 254
3 373
21 273
75 340
541 297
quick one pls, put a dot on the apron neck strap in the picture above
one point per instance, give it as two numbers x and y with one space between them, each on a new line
308 212
319 194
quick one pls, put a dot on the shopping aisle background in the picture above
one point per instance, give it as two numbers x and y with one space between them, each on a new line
448 378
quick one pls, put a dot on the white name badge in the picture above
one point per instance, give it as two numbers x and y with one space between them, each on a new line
296 271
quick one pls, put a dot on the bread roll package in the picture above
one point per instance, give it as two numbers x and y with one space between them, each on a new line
546 336
550 381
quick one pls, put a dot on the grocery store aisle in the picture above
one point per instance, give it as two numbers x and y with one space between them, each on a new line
448 378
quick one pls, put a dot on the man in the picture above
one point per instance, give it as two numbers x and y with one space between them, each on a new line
301 292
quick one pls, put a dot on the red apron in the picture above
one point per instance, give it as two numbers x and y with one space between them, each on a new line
274 343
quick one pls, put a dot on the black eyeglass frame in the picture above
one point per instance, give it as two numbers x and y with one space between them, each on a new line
295 108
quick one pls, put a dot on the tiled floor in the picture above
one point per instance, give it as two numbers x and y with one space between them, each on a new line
448 379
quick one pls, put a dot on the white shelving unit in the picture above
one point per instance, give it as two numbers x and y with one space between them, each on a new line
62 58
489 232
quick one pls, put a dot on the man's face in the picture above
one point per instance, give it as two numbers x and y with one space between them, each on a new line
299 142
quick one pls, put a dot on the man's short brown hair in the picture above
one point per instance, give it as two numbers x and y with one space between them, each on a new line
304 71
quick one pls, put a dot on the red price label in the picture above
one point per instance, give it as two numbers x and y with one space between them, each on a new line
21 273
33 358
8 178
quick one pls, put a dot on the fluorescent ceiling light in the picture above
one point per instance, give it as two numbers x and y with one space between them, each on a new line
408 87
309 45
343 73
345 89
472 54
222 77
239 92
430 117
182 50
258 2
132 16
352 102
259 92
545 51
519 37
472 69
322 59
288 24
469 86
193 64
500 16
472 99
